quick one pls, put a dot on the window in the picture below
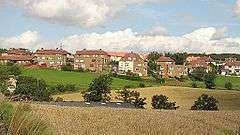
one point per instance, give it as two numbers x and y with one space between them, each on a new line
93 60
91 65
43 58
77 60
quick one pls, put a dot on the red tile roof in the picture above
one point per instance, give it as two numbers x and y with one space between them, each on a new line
165 59
91 52
117 54
132 56
51 52
17 57
19 51
198 63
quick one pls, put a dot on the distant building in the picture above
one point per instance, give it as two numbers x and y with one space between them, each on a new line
132 62
51 58
231 67
116 56
93 60
200 62
19 56
168 68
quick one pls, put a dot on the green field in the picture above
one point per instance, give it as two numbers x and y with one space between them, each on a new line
81 79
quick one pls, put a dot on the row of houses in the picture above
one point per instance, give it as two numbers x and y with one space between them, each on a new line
99 60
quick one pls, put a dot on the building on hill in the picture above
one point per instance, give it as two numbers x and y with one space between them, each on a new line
116 56
93 60
168 68
200 62
231 67
51 58
133 63
19 56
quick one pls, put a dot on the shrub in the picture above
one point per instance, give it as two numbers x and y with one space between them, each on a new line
228 86
99 89
141 85
129 76
32 87
67 68
59 88
80 70
161 102
205 102
127 86
19 120
197 74
209 80
132 97
194 84
59 99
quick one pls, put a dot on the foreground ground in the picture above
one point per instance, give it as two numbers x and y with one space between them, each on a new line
109 121
184 96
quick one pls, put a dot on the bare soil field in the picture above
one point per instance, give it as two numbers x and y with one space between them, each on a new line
110 121
184 96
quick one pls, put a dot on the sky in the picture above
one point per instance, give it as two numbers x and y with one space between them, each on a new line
209 26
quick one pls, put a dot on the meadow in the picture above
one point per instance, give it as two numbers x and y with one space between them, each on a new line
80 79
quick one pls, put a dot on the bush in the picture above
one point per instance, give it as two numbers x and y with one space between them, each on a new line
128 76
228 86
99 89
59 99
141 85
67 68
80 70
205 102
32 87
161 102
194 84
132 97
209 80
60 88
197 74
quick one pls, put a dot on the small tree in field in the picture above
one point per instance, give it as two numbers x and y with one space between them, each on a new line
228 86
161 102
99 89
205 102
209 80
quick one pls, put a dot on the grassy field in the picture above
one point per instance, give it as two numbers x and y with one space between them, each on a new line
82 80
220 82
109 121
184 96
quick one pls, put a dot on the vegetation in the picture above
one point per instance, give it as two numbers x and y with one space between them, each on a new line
178 57
63 88
59 99
228 86
197 74
161 102
19 120
128 76
209 80
34 88
99 89
205 102
194 84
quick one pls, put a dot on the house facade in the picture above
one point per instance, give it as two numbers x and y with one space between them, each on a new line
93 60
51 58
231 67
200 62
132 62
19 56
168 68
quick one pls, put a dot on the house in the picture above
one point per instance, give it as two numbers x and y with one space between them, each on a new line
168 68
231 66
116 56
51 58
200 62
93 60
18 56
132 62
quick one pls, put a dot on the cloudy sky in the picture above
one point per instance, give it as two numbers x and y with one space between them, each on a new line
210 26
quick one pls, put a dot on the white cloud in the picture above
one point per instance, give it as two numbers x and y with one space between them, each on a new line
237 8
157 30
77 12
200 40
27 39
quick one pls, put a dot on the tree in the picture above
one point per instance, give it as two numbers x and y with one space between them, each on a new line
228 86
161 102
3 50
205 102
33 88
209 80
152 62
178 57
197 74
132 97
99 89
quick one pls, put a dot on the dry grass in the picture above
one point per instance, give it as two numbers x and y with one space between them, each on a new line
185 97
108 121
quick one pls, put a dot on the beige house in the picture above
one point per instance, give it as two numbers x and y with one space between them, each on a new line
132 62
231 66
93 60
51 58
168 68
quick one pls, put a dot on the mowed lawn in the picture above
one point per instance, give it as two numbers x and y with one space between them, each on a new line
81 79
183 96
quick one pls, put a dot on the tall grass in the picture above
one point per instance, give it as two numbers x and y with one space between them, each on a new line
19 120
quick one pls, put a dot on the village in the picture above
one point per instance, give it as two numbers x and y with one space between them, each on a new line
119 62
